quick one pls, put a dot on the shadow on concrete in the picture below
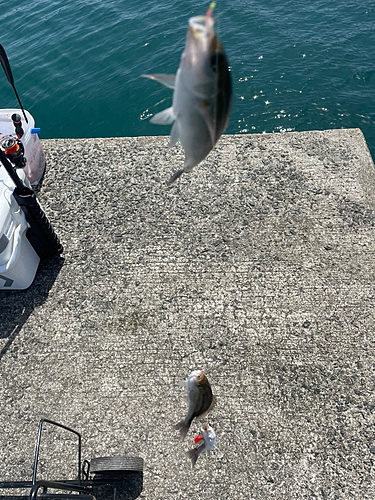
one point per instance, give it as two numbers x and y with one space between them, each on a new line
17 305
120 486
14 497
128 487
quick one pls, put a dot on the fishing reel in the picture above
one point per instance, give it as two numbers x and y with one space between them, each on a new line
14 151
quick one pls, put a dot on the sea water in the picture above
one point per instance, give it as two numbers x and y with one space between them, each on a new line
295 65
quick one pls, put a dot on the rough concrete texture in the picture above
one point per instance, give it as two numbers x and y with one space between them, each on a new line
257 267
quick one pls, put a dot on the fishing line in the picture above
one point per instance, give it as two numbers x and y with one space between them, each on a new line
210 9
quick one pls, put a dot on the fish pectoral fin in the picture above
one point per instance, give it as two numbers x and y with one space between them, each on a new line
166 80
183 383
165 117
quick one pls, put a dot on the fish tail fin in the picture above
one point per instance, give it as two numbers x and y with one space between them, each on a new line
179 425
193 455
175 176
183 427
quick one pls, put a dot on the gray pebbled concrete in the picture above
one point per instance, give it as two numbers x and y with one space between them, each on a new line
257 267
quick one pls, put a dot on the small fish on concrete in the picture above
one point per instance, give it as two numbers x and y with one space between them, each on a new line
206 442
202 94
200 399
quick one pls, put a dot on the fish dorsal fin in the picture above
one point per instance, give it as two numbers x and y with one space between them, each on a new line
167 80
165 117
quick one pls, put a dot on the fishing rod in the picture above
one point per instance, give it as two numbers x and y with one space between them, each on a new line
40 233
8 73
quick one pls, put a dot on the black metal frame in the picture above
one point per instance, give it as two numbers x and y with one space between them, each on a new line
82 487
37 447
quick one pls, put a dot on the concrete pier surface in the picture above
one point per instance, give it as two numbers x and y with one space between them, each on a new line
258 267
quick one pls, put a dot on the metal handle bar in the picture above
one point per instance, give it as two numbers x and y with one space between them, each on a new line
38 446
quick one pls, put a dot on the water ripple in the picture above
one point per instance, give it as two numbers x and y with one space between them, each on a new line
295 65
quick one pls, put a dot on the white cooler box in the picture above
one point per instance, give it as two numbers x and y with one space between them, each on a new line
18 259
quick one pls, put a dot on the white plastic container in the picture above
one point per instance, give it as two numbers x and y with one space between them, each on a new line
18 259
34 153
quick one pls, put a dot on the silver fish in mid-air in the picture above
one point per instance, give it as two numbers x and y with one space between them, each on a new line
200 399
206 442
202 94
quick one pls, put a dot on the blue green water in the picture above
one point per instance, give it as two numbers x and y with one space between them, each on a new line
295 65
